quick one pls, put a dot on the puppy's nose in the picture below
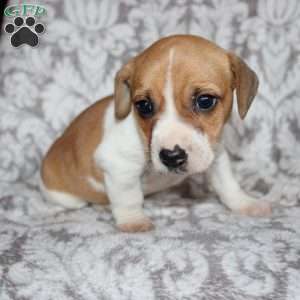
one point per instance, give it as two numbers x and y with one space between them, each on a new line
173 158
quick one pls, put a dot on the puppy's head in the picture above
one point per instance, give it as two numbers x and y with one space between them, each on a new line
181 91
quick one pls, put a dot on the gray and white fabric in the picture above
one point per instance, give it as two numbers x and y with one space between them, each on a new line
199 250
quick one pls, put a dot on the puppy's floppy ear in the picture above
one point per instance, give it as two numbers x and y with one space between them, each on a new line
122 90
245 82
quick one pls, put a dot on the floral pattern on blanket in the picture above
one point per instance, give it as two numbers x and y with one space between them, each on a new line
199 250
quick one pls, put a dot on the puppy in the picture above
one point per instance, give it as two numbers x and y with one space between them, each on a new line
163 123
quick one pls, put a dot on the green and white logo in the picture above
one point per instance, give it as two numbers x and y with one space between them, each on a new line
25 10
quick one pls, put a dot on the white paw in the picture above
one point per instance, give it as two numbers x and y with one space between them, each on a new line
256 209
137 225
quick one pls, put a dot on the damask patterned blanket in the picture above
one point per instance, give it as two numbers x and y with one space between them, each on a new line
198 250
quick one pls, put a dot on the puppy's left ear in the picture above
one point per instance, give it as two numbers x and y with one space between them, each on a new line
122 90
245 82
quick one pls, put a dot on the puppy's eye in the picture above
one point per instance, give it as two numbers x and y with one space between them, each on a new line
145 108
204 102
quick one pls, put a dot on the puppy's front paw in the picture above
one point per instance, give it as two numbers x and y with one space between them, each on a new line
140 225
256 209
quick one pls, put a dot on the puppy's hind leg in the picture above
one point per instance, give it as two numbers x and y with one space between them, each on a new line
230 192
63 199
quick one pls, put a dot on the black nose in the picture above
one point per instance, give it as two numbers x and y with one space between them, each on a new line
173 158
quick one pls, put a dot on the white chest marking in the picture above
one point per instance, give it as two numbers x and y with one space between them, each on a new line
121 150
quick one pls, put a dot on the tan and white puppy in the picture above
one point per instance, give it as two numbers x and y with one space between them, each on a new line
163 124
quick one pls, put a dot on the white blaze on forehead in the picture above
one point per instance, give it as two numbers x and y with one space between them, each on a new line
170 109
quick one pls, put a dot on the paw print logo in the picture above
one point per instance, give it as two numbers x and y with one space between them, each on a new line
24 33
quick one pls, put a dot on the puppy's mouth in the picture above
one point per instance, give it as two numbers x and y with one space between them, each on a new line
178 170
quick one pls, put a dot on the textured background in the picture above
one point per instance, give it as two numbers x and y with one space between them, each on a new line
199 250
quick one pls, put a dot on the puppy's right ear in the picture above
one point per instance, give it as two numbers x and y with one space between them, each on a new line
122 90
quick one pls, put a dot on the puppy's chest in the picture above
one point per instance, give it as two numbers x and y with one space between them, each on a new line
153 181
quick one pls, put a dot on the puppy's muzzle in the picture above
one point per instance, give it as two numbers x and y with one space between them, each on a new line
173 159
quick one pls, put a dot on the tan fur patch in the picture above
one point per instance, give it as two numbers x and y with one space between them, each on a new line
69 161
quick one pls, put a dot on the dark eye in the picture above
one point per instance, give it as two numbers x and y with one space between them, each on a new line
204 102
145 108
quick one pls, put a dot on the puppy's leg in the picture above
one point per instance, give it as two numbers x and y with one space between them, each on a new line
126 198
63 199
230 192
